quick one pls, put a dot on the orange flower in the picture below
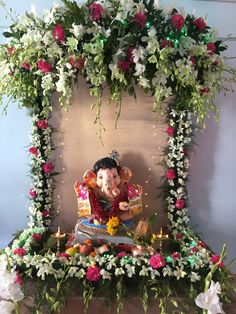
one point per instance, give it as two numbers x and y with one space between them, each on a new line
92 254
88 241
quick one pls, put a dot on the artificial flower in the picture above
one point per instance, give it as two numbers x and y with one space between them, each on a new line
170 131
33 150
170 174
19 251
47 167
200 23
7 307
59 33
180 203
167 43
44 66
37 236
42 124
32 193
157 261
96 11
26 66
93 273
140 20
123 65
211 47
177 21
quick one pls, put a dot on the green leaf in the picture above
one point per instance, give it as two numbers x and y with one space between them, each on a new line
7 34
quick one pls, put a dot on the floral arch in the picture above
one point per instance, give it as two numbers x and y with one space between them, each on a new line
120 44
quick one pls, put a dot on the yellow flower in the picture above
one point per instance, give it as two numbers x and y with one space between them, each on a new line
113 222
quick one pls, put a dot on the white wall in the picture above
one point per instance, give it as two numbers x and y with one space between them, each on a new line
213 169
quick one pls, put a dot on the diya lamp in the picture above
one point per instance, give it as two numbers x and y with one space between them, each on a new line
58 236
160 238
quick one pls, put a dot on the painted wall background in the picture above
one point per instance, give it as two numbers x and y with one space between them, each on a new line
213 170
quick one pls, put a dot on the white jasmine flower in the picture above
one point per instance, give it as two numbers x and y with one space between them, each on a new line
119 271
105 274
77 30
179 272
138 54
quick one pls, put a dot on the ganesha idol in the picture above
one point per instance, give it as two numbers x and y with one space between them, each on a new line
106 199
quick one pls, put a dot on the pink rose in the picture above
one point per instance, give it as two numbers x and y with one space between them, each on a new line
26 66
19 279
170 174
42 124
130 55
47 167
140 20
93 273
167 43
59 33
157 261
194 61
211 47
215 259
19 251
170 131
202 244
121 254
96 11
175 255
32 193
46 213
44 66
65 255
177 21
200 23
123 65
33 150
37 236
180 203
10 50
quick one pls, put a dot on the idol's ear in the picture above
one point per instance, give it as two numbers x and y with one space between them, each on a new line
125 174
89 175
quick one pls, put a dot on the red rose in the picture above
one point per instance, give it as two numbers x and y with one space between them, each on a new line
44 66
200 23
211 47
93 273
32 193
167 43
195 249
47 167
59 33
42 124
77 63
10 50
123 65
26 66
170 174
33 150
204 90
177 21
96 11
140 20
194 61
37 236
130 55
215 259
46 213
170 131
157 261
202 244
180 203
175 255
19 251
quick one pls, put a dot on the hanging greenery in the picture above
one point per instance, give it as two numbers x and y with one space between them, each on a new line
119 44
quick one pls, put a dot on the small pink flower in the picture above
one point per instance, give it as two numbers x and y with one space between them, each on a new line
26 66
96 11
130 55
46 213
176 255
19 279
204 90
93 273
42 124
63 254
77 63
10 50
44 66
10 72
167 43
180 203
170 174
47 167
215 259
170 131
200 23
32 193
37 236
177 21
195 249
121 254
19 251
33 150
140 20
123 65
202 244
157 261
211 47
59 33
